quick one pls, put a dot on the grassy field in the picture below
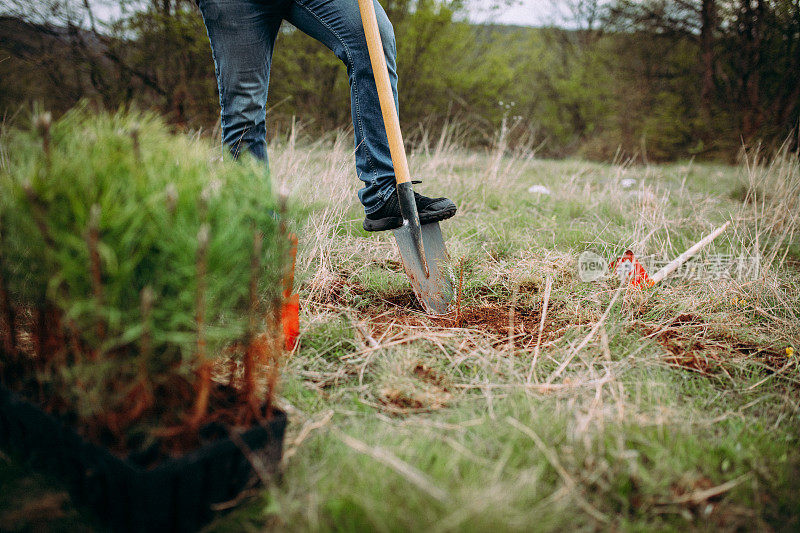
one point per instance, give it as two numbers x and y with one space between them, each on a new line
545 403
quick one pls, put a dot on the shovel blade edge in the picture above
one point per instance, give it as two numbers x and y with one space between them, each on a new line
435 292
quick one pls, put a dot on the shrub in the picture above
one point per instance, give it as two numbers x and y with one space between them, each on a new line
133 269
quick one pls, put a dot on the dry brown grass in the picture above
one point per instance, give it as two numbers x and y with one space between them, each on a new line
335 253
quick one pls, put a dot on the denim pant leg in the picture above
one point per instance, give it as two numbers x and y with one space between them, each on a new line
337 24
242 35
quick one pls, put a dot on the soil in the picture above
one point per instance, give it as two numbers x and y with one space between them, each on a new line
687 339
432 376
691 346
169 435
429 391
491 319
172 438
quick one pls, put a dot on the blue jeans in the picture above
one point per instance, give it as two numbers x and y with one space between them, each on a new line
242 35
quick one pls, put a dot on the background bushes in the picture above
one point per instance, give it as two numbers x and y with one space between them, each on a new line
658 79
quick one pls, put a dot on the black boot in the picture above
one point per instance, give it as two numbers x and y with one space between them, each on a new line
389 216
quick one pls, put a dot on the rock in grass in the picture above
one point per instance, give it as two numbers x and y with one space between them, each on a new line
539 189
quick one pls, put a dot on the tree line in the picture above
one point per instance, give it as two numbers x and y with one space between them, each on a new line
653 79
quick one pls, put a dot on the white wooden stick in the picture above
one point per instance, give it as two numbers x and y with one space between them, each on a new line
673 265
548 286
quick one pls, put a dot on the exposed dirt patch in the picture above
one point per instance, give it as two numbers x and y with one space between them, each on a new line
701 497
341 292
400 400
497 320
689 353
416 388
389 313
410 399
692 343
432 376
403 300
391 264
490 319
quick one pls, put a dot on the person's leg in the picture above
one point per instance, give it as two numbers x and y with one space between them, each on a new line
242 35
337 24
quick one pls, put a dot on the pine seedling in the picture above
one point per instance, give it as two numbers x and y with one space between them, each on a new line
204 373
143 266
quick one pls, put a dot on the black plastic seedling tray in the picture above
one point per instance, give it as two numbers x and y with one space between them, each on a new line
175 495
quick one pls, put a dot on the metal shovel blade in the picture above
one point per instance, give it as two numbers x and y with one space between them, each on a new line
435 292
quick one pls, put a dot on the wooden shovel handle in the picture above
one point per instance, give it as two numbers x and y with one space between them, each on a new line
388 107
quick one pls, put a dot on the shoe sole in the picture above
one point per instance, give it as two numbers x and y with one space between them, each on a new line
384 224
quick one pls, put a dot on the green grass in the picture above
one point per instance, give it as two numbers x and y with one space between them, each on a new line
628 474
630 439
680 413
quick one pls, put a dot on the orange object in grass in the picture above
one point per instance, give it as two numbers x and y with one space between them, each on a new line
290 309
290 318
629 266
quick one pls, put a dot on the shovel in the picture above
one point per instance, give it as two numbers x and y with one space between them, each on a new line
422 248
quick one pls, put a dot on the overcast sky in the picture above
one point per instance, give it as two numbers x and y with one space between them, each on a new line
521 12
